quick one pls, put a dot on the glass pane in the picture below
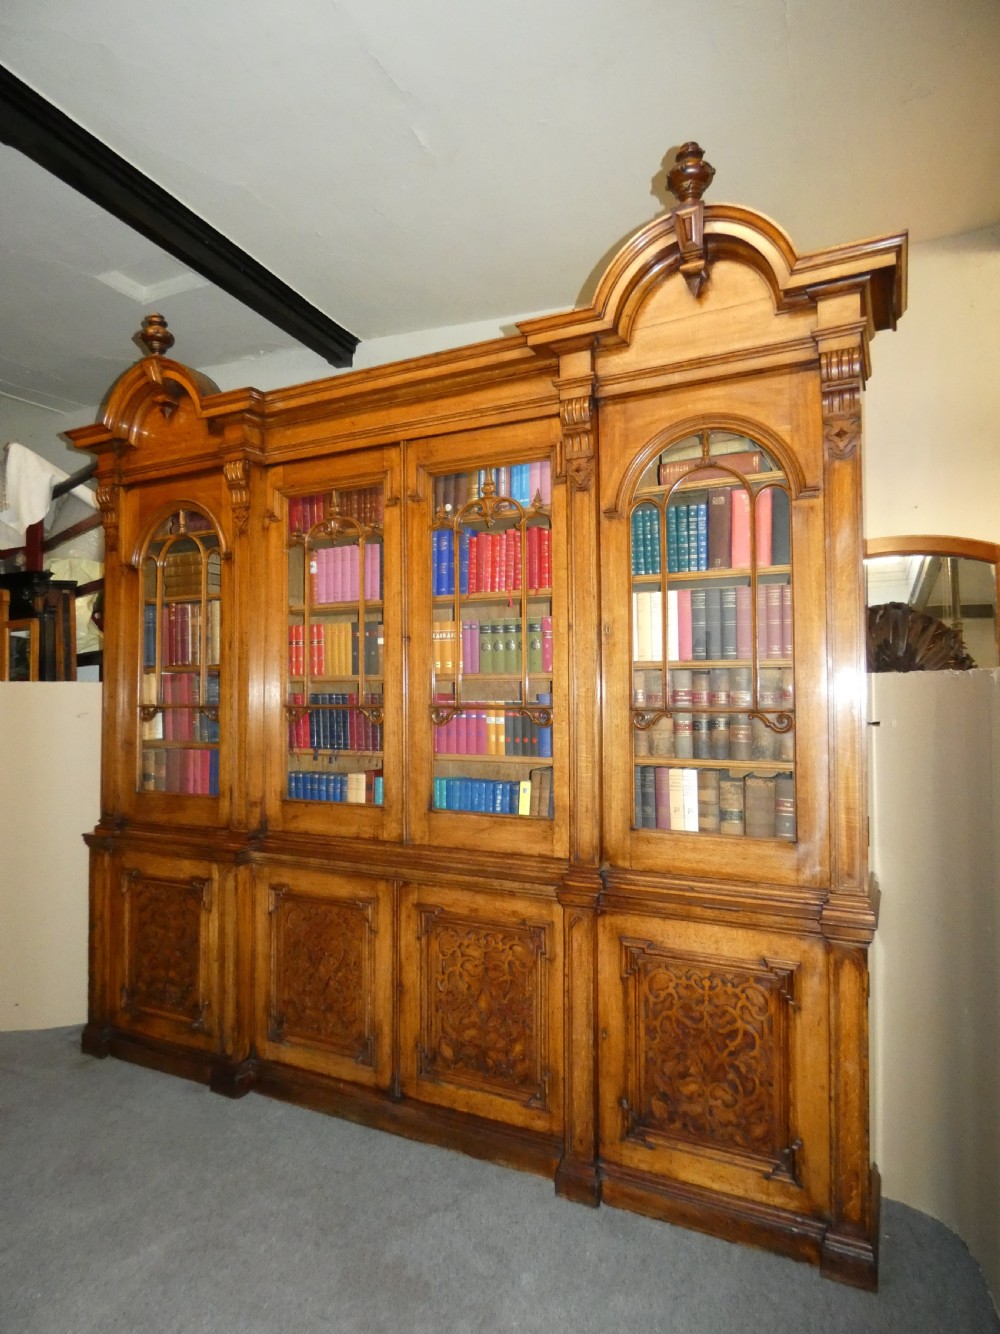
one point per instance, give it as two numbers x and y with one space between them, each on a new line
491 649
181 653
713 747
335 647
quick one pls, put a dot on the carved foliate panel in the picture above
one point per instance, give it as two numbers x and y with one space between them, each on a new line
707 1054
484 1005
322 968
165 922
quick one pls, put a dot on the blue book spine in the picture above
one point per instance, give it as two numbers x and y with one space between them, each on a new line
673 554
213 773
378 796
479 794
653 562
449 561
436 562
313 722
544 733
149 637
513 797
638 553
682 539
692 537
452 794
463 563
465 794
440 794
703 535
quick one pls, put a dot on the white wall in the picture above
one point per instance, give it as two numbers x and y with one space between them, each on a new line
935 836
49 794
932 407
40 429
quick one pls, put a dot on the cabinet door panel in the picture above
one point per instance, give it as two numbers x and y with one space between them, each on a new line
166 922
714 1058
325 973
480 1024
333 579
488 716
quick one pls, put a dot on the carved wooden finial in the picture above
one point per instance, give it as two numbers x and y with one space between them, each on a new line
155 335
691 175
688 180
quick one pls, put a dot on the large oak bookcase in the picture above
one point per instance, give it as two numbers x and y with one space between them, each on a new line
515 930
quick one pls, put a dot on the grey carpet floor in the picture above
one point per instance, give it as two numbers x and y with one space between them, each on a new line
130 1201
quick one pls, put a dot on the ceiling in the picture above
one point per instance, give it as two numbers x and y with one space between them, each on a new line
405 166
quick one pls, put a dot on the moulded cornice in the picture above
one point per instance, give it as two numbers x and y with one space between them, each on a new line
876 269
155 382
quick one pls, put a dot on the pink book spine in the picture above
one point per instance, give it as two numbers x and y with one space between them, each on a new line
761 620
661 788
353 581
533 564
518 562
740 529
534 480
545 481
462 734
546 643
545 558
512 540
786 620
744 623
482 733
762 510
684 649
204 763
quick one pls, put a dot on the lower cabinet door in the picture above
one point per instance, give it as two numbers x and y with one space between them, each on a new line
482 1001
714 1060
324 975
165 928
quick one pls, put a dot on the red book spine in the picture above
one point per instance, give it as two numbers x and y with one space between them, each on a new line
497 556
485 562
532 572
317 650
205 770
762 509
482 743
544 558
512 541
518 561
474 564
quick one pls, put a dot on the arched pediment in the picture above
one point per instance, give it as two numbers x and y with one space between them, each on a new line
154 384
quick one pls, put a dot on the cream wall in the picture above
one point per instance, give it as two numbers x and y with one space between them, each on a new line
49 794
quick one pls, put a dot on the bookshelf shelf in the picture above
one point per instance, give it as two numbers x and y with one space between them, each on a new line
611 924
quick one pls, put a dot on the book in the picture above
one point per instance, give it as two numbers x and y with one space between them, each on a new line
740 534
743 461
784 806
762 502
730 804
708 801
713 623
720 520
781 547
759 806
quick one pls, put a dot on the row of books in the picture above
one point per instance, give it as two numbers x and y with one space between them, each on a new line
334 573
179 718
747 463
523 482
531 796
492 647
361 788
700 730
185 521
335 725
497 562
182 625
173 769
187 573
489 728
712 624
713 801
334 648
711 531
364 504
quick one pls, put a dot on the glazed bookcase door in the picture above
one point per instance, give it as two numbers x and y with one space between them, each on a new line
714 743
180 623
489 559
338 622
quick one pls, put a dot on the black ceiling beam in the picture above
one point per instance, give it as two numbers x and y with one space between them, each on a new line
49 137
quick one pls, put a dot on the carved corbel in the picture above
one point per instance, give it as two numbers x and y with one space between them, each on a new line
237 475
841 374
577 445
688 180
107 499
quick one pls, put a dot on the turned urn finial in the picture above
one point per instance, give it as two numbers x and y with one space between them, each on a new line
691 175
155 335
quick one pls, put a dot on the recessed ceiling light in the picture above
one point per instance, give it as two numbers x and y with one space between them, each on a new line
153 292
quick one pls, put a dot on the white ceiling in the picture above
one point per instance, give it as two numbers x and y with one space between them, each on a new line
410 164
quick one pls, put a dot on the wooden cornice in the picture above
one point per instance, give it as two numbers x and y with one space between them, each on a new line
49 137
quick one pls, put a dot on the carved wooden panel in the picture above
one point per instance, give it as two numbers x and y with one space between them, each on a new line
322 968
484 1005
708 1054
165 921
